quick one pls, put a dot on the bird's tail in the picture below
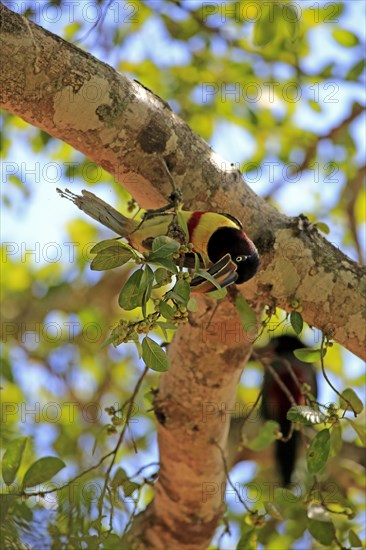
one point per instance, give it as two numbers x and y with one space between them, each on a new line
286 454
101 211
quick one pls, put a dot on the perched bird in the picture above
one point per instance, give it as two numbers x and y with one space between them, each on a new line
275 402
219 239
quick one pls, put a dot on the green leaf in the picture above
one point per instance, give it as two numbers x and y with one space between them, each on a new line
147 281
12 459
265 27
354 539
70 31
166 326
180 292
353 398
336 440
338 506
309 355
161 275
273 511
192 305
6 501
248 538
208 277
356 71
345 38
315 106
111 257
323 227
288 22
42 470
322 531
360 431
154 357
110 542
197 263
318 452
327 71
218 294
267 434
119 477
105 244
6 369
163 247
183 225
296 321
96 438
246 313
276 22
129 487
166 263
305 415
166 310
132 293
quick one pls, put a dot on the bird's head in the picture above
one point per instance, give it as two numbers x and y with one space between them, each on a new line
229 240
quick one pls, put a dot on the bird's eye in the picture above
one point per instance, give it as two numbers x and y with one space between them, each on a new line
241 258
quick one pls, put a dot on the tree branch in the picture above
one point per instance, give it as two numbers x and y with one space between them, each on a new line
127 129
311 150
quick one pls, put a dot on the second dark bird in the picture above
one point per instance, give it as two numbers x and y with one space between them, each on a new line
275 402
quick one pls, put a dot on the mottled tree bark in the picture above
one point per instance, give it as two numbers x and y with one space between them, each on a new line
127 129
193 407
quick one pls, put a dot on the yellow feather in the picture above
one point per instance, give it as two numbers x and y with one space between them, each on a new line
158 225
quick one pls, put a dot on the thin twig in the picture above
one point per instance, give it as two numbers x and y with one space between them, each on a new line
170 177
120 439
133 513
252 408
283 386
311 151
327 379
226 530
229 479
98 22
144 468
41 493
112 510
316 486
291 371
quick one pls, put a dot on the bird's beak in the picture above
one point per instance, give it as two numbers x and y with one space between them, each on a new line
224 273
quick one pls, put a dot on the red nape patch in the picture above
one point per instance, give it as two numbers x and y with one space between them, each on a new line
193 222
